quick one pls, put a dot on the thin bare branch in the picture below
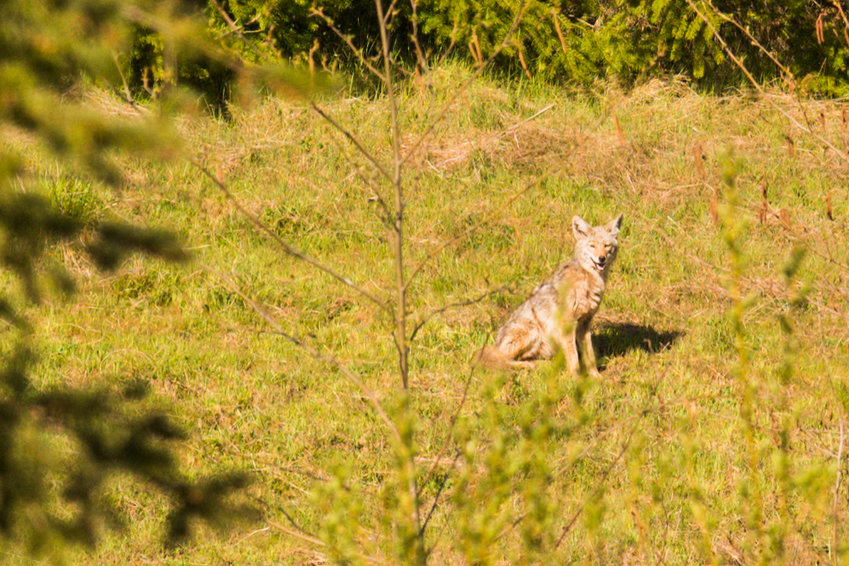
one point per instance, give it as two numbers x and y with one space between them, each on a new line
805 128
353 139
386 217
451 44
127 95
396 180
389 15
471 229
326 358
602 480
294 533
754 41
444 447
287 247
237 29
462 88
450 306
451 425
318 12
398 253
644 411
277 507
725 47
414 36
438 494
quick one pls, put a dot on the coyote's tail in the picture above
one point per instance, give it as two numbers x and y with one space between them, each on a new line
491 357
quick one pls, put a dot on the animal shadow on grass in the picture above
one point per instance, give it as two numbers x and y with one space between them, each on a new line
613 339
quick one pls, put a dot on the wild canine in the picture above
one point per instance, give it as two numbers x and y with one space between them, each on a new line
559 311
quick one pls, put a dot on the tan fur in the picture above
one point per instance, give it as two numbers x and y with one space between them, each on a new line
560 310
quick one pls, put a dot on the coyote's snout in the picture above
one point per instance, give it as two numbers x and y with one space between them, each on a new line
559 311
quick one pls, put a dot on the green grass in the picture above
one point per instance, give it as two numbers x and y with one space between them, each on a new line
251 400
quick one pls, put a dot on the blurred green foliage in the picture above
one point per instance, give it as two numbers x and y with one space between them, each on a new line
564 42
60 446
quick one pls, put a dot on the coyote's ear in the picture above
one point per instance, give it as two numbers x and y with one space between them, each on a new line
614 225
580 227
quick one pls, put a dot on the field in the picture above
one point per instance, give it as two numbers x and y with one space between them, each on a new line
714 436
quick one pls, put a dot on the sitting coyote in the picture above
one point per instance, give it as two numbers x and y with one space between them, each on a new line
559 311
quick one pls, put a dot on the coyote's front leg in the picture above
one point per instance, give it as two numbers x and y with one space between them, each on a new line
587 354
565 339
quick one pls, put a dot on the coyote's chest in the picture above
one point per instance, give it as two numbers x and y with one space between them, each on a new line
582 292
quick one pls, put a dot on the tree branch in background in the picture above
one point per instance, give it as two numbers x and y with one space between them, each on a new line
787 73
421 60
806 129
288 248
477 226
318 12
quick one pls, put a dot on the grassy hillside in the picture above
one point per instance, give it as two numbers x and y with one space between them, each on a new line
695 446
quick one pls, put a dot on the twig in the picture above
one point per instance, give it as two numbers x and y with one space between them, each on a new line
725 47
347 39
759 88
754 41
436 497
568 526
128 96
327 358
458 304
414 36
398 253
477 226
835 501
386 217
288 248
237 29
444 447
519 12
296 534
